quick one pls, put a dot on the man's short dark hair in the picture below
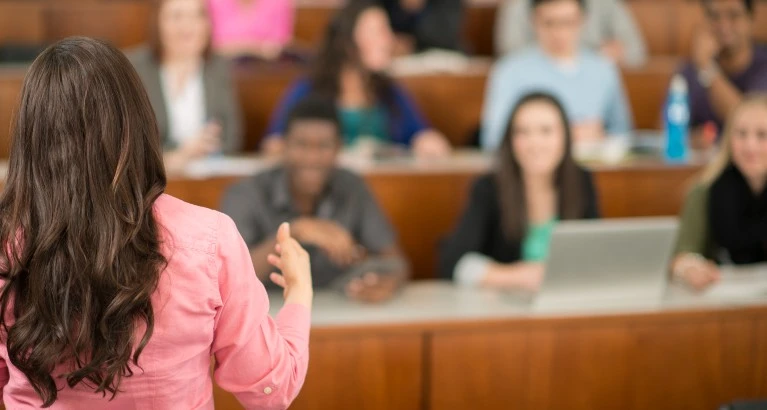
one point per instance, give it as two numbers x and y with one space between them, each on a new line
314 108
748 4
535 3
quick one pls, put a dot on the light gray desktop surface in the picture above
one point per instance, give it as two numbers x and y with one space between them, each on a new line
436 301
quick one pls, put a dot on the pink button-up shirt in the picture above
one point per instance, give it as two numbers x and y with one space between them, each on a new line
262 22
208 302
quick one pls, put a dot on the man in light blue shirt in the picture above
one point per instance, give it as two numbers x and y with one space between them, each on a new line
588 85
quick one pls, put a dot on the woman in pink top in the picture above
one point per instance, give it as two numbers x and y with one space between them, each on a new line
260 28
115 296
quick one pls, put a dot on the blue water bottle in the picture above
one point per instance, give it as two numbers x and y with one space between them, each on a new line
677 118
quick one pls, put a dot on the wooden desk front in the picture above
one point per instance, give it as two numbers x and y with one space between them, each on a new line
424 200
437 347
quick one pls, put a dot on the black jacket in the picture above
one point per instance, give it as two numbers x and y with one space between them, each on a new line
480 228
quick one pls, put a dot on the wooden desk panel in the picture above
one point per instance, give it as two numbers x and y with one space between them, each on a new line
364 372
653 364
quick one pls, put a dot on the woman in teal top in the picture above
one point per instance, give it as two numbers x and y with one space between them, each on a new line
502 239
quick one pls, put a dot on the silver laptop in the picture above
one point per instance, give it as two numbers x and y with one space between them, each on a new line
607 262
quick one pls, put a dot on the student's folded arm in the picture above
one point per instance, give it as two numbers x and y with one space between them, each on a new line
618 120
262 361
471 233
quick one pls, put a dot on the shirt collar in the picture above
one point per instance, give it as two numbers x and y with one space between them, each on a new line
281 197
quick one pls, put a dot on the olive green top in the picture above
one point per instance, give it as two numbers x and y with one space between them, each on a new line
694 235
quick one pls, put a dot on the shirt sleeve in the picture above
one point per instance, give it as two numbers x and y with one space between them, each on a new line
693 235
512 26
411 120
472 231
5 376
241 206
279 118
499 94
262 361
376 233
618 119
625 31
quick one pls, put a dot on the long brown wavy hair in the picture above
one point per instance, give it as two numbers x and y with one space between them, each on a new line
81 253
568 177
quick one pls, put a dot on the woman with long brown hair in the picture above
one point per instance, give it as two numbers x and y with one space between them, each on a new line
503 236
351 69
113 293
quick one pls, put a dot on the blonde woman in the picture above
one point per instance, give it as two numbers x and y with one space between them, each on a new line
724 219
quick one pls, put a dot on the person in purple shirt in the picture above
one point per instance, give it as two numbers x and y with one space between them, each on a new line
725 64
351 70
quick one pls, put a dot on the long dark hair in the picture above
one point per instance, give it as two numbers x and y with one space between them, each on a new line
568 177
339 49
81 253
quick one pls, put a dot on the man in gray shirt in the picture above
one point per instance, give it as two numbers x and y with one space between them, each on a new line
331 211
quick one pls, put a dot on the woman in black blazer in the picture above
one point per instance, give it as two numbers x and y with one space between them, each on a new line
502 239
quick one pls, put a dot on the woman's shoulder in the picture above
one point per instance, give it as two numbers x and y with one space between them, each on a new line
188 226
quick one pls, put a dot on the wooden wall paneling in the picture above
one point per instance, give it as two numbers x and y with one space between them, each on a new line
423 209
260 91
123 23
365 372
480 370
646 89
479 29
10 86
361 372
644 191
21 22
699 364
656 24
689 18
311 23
451 103
651 363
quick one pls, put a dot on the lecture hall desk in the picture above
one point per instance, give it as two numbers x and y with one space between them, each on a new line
424 199
442 348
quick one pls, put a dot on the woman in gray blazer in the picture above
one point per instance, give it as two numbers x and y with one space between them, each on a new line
191 89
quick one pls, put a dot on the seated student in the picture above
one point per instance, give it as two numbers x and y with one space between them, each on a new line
610 29
351 70
421 25
725 64
191 90
588 85
502 239
725 215
331 211
252 28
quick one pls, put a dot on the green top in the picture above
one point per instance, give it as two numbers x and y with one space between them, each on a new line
363 122
535 247
694 235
